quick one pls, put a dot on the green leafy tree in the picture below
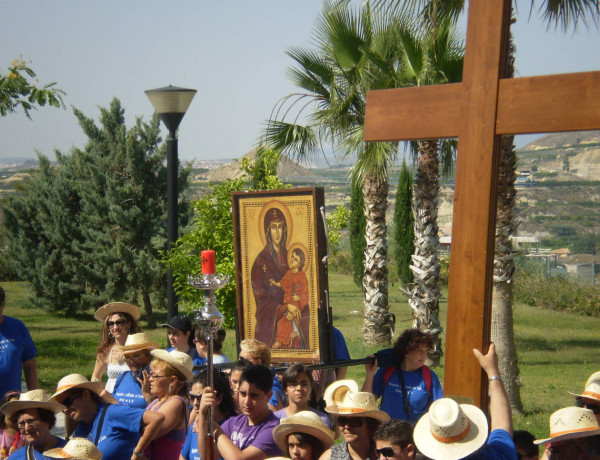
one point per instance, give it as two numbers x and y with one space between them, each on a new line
357 227
18 88
212 228
89 229
404 232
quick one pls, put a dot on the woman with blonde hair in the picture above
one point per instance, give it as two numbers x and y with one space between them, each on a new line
119 320
167 381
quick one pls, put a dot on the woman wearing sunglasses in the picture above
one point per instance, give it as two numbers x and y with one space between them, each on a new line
168 377
303 436
224 408
357 418
119 320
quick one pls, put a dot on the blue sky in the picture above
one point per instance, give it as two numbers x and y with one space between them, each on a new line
232 52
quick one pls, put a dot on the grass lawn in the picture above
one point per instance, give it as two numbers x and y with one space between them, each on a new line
557 351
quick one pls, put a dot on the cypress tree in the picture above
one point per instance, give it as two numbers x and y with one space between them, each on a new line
404 232
356 228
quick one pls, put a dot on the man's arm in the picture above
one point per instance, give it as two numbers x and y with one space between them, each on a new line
30 371
500 412
230 452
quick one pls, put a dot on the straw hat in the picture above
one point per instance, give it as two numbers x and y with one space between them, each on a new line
178 359
137 342
34 399
77 449
335 392
357 404
571 423
117 307
303 422
592 388
71 382
450 431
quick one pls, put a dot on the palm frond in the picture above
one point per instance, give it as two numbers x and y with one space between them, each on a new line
568 14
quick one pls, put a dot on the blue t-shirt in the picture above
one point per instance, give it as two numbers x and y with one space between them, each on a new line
16 347
499 446
128 391
120 431
393 403
21 454
340 349
196 358
277 390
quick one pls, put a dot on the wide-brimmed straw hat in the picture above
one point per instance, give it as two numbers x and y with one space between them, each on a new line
357 404
76 449
592 388
34 399
72 382
571 423
335 392
303 422
137 342
117 307
450 431
178 359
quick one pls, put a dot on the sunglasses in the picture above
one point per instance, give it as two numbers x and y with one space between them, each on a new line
353 422
118 322
193 397
387 452
70 399
595 408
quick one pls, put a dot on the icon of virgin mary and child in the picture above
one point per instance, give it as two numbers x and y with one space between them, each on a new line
280 287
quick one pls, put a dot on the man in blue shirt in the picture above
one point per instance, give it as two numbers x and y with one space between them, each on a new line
119 431
17 353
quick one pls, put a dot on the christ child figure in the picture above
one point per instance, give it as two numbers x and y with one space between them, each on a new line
295 298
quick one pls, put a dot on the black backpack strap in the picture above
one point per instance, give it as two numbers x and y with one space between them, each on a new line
404 393
99 429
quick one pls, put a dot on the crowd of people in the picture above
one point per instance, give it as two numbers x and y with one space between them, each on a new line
157 404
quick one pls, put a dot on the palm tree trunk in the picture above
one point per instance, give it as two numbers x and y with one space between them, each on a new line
377 318
425 296
504 267
148 309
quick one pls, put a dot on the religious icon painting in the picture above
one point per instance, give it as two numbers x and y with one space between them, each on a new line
281 278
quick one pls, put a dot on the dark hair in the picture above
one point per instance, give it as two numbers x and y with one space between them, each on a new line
410 340
217 341
398 432
304 438
222 387
292 373
7 397
2 295
258 375
241 365
105 340
44 415
300 253
372 424
523 439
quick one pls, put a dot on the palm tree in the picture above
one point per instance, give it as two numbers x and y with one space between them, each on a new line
430 57
355 52
563 13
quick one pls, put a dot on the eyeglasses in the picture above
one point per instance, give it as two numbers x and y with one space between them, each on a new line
300 384
133 356
387 452
68 401
595 408
29 421
118 322
193 397
153 376
353 422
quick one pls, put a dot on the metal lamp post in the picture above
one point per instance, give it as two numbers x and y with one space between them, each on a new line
171 103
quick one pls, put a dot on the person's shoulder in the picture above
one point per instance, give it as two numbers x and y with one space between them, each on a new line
19 453
270 420
13 322
60 442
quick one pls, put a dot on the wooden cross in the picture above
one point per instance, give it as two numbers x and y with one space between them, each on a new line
478 111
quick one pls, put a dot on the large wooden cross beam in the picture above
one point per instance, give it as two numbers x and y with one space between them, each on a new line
478 111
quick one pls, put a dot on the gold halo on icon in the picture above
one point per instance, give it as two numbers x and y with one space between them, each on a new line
304 250
286 213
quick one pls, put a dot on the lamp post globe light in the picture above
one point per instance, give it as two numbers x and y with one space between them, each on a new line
171 103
